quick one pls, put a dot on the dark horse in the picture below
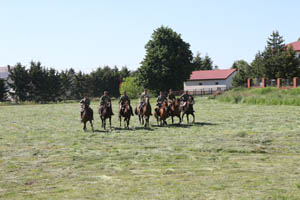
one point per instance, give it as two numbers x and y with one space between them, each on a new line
187 109
125 112
162 114
145 112
87 115
105 112
174 109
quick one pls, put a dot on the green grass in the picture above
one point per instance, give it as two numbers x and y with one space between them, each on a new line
233 151
262 96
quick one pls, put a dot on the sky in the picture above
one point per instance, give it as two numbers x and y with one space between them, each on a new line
88 34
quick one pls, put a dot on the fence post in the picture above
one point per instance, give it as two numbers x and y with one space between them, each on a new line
295 82
263 82
278 82
249 82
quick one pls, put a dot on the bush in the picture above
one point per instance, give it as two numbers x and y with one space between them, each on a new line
131 87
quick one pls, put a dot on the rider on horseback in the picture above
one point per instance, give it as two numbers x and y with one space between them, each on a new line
122 102
143 97
171 96
84 104
160 99
104 100
187 97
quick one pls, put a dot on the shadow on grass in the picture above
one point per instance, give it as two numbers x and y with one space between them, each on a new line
185 125
123 129
101 131
144 128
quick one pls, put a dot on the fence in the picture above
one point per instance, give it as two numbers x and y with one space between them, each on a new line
203 91
279 82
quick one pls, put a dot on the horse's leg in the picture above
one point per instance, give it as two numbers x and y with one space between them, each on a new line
110 122
104 123
187 117
145 124
179 118
84 126
193 117
172 119
182 117
91 122
120 121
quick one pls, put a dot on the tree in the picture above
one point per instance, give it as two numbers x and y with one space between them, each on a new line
20 82
207 63
124 72
67 78
131 86
197 62
81 85
3 90
276 61
168 61
105 79
243 73
54 85
39 88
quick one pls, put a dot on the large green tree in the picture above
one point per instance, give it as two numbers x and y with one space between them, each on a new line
168 61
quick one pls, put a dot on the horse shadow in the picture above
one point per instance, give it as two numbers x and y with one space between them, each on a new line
143 128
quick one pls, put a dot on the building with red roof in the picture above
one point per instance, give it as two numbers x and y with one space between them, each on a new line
295 46
220 79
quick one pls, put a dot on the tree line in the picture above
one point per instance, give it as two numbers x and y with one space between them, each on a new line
40 84
276 61
167 63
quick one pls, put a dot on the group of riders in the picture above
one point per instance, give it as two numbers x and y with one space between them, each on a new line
124 99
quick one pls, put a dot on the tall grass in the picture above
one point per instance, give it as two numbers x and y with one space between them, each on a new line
262 96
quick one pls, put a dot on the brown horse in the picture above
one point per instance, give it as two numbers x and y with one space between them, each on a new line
87 115
162 114
187 109
145 112
126 113
105 112
174 109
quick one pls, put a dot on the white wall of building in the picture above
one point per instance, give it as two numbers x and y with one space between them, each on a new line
209 84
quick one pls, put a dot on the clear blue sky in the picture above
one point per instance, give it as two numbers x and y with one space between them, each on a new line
92 33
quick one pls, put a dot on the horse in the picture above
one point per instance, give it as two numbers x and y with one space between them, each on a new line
187 109
105 112
174 109
145 113
163 114
87 115
126 113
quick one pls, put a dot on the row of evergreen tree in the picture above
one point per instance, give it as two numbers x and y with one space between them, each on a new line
41 84
276 61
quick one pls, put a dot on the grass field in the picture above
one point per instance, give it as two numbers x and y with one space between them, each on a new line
233 151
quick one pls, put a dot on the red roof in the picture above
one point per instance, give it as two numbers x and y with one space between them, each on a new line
295 45
211 74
